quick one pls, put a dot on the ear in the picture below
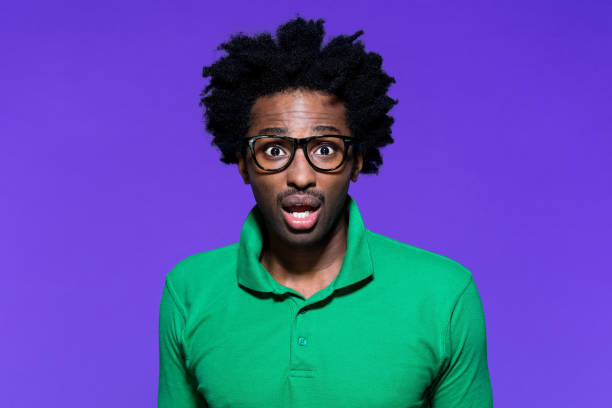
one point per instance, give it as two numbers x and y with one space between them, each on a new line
242 168
357 165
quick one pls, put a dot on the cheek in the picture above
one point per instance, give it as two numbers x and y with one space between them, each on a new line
262 192
264 187
336 191
342 180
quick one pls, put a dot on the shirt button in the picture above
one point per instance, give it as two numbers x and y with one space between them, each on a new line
302 341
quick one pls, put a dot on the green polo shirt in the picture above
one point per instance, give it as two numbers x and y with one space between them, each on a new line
398 327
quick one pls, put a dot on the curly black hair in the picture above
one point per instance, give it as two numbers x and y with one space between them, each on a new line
295 59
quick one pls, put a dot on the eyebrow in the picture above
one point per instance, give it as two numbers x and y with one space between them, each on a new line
283 130
274 130
325 128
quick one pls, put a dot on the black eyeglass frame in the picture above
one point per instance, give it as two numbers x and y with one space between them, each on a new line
299 143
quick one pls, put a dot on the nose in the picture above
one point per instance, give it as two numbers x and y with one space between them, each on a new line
300 175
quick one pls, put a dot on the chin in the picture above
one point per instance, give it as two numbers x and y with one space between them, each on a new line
301 239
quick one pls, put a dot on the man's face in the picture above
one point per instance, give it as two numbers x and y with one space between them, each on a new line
300 205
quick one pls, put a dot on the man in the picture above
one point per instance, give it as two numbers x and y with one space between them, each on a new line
309 308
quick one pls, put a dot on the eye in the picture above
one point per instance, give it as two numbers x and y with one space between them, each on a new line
274 151
324 150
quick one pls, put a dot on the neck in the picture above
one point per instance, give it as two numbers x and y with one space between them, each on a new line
307 269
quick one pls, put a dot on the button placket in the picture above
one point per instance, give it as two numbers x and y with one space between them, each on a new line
301 339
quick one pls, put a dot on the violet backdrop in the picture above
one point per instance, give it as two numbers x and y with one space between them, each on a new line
501 161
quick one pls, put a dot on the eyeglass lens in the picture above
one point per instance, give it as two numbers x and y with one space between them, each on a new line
272 153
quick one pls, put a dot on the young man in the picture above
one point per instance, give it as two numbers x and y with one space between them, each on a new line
309 308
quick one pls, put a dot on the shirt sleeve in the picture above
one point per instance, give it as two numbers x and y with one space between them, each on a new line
177 388
464 380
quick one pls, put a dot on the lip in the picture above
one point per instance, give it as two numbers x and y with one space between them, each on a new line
301 224
298 200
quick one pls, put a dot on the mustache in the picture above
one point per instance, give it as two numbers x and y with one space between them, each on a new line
294 191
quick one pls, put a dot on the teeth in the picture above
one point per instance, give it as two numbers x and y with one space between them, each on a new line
301 214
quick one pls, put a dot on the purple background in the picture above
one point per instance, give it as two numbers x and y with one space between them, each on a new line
502 162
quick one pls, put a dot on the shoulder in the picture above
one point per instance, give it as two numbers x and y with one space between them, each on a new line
415 268
202 272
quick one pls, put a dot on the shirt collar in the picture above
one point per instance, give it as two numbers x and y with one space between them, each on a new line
356 266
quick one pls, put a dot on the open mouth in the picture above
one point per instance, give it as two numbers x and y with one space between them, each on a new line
301 212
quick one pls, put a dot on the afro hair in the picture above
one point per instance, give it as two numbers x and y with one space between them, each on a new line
296 59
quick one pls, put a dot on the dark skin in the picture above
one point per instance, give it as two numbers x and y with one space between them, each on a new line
306 261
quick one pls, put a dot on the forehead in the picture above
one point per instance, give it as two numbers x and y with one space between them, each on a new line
298 109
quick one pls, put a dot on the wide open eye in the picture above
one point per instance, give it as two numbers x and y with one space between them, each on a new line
273 150
271 153
324 150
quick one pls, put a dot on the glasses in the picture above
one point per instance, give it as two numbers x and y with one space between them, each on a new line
275 153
